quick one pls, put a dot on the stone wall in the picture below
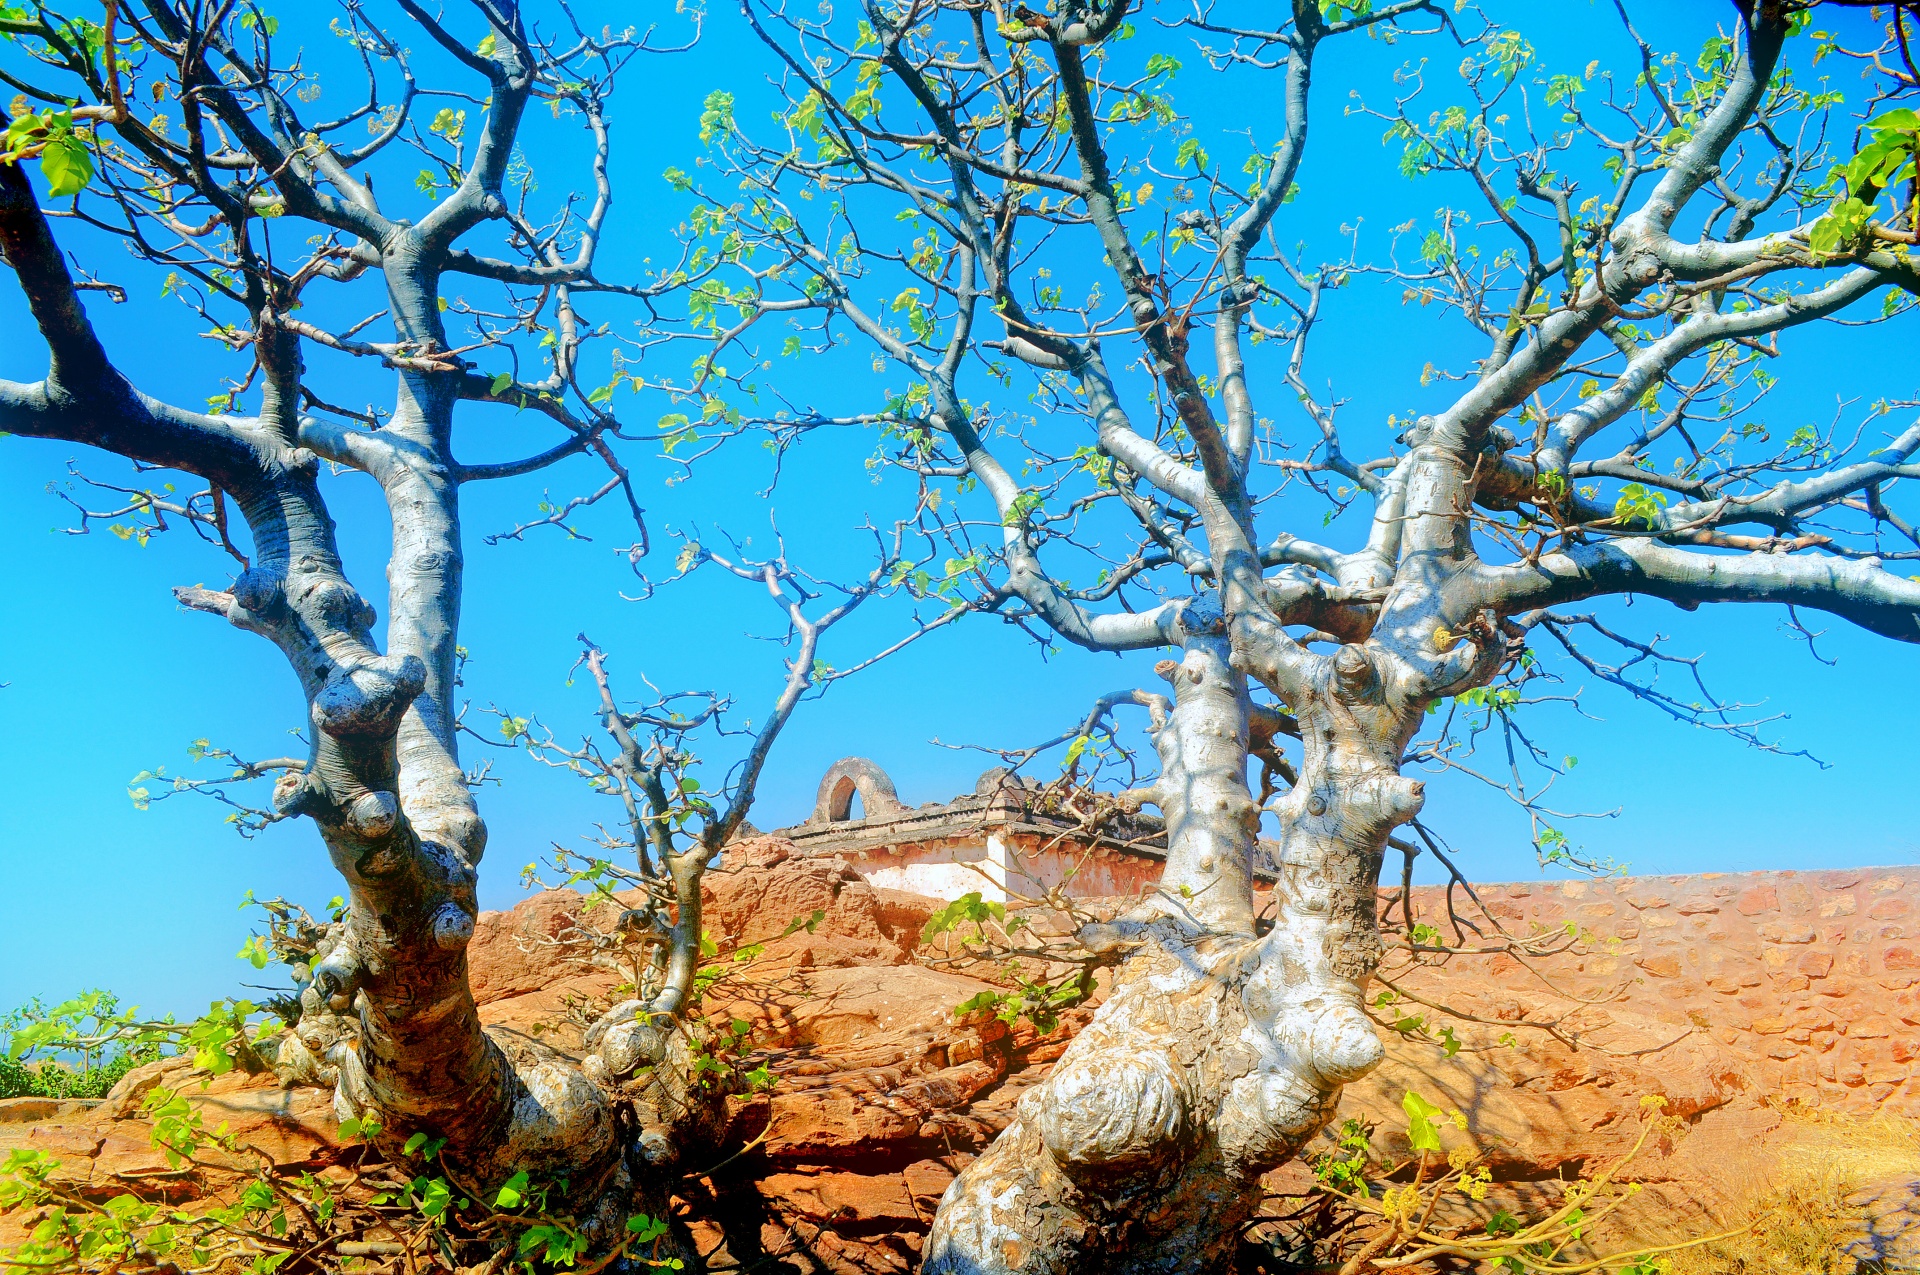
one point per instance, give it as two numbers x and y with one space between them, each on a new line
1808 981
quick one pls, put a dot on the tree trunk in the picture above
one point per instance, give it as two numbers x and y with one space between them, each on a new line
1218 1053
418 1058
388 1017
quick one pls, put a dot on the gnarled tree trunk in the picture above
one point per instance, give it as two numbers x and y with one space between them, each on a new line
1218 1053
389 1019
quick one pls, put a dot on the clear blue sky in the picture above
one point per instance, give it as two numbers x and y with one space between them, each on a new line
106 676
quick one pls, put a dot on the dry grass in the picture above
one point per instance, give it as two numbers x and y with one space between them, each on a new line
1806 1211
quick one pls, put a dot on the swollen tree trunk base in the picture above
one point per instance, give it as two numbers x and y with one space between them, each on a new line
1218 1054
605 1137
1143 1151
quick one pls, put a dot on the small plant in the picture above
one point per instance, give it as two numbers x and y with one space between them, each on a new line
1429 1212
265 1217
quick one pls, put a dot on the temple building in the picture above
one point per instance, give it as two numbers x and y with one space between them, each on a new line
1005 839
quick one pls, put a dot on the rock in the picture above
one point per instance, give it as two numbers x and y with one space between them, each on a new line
904 915
125 1098
883 1093
810 911
27 1110
513 953
868 1058
107 1149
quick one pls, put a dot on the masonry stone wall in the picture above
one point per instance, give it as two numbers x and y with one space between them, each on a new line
1809 981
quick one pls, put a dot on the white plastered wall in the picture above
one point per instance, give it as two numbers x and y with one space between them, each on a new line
946 878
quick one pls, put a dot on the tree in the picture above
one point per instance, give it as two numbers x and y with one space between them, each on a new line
990 200
268 228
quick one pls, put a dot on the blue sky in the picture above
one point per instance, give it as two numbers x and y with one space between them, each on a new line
107 677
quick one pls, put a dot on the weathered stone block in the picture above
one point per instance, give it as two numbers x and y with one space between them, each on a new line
1815 964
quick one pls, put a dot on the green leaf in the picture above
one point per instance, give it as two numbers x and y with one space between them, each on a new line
1841 225
432 1198
979 1001
25 127
806 923
1420 1128
1638 503
500 383
1021 509
808 117
562 1246
968 907
716 117
512 1191
67 166
256 951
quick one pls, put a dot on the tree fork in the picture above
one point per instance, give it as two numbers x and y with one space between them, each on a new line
1219 1053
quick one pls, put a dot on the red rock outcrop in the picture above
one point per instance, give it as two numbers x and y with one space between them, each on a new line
1736 998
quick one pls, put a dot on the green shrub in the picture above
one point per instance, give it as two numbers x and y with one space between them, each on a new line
75 1032
16 1080
55 1080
